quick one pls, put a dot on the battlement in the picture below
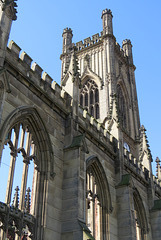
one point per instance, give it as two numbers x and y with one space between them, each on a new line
67 30
96 129
88 42
126 41
97 39
136 166
106 11
37 76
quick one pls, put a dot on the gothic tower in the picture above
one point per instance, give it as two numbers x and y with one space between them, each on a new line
74 160
107 76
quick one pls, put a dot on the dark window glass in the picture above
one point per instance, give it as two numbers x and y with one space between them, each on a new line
97 111
91 97
86 99
96 96
81 100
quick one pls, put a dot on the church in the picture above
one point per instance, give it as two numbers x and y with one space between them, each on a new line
79 163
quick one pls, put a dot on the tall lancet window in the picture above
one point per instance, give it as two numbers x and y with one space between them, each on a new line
93 207
89 98
141 223
122 108
138 222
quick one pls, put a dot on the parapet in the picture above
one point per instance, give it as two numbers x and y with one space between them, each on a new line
88 42
14 48
106 11
135 166
67 30
34 74
96 130
126 41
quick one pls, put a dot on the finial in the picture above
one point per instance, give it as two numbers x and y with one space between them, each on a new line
28 200
15 201
142 128
157 166
76 73
157 160
87 60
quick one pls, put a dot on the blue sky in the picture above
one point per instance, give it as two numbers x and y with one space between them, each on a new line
38 31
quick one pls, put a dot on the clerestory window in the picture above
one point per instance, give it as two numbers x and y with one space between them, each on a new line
89 98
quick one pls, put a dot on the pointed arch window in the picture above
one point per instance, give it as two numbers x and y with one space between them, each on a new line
94 208
20 146
89 98
141 224
23 158
138 223
98 200
22 168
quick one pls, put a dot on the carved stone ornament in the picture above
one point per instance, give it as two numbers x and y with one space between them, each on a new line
110 78
87 60
9 6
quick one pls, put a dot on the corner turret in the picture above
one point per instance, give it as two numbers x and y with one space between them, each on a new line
67 40
66 53
127 47
7 15
107 21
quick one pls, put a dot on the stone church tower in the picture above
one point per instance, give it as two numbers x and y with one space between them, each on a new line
79 163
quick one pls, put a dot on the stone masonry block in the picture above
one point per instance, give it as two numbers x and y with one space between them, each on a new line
26 58
15 49
37 69
47 78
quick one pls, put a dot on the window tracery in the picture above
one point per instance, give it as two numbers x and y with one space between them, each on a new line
89 98
20 146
